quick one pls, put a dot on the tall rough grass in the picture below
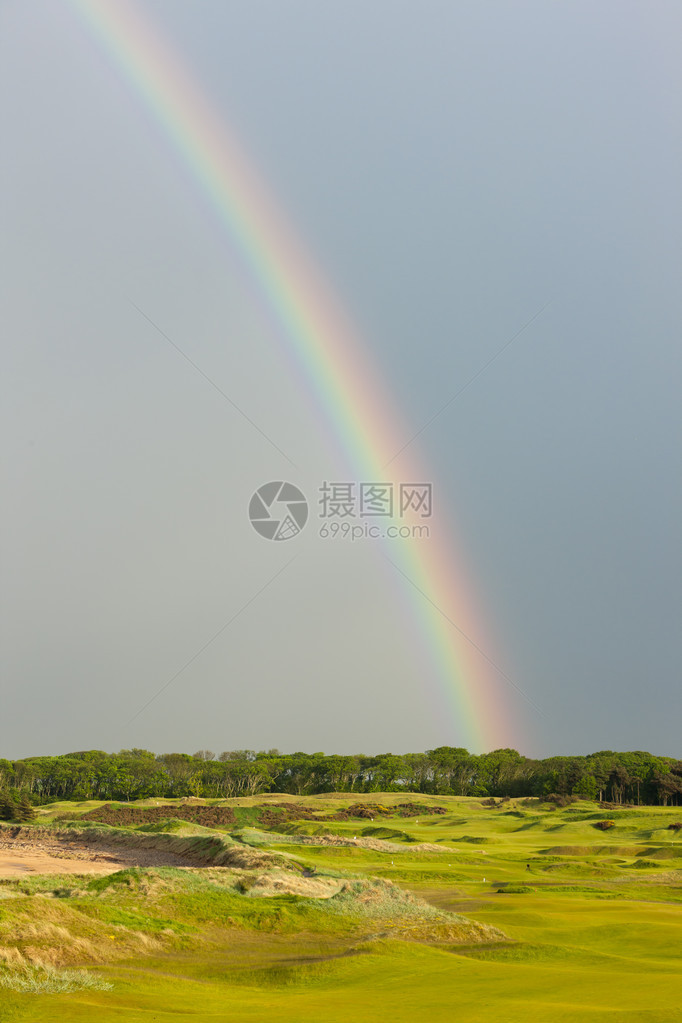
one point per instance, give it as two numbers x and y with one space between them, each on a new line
36 979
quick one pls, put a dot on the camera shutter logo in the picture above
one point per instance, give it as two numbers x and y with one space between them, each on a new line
278 511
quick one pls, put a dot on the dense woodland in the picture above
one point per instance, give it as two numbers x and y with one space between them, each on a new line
133 774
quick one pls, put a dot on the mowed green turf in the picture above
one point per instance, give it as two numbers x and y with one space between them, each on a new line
594 934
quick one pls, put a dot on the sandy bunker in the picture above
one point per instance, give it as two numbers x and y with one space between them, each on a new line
38 851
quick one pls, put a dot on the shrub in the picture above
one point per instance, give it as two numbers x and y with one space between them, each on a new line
559 800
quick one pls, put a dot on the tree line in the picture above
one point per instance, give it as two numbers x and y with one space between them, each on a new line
634 778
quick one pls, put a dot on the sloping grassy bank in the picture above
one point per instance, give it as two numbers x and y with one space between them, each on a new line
50 926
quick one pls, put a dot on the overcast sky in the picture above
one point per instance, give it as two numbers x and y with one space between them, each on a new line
453 169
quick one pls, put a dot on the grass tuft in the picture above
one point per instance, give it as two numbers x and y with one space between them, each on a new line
35 979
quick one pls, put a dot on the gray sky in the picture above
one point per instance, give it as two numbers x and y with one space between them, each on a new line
452 168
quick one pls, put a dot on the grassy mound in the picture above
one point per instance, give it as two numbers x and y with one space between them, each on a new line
665 852
389 834
309 828
404 913
477 839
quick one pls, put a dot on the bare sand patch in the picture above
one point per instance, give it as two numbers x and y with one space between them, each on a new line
26 850
19 864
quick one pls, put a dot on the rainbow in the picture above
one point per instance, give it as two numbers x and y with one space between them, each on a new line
327 348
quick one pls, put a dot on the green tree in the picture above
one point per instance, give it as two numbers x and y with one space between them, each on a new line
451 769
499 769
390 769
619 780
6 773
8 807
586 787
24 812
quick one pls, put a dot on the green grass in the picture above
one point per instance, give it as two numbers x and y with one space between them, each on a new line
594 922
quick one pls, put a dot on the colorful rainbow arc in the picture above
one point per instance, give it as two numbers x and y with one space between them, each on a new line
323 341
